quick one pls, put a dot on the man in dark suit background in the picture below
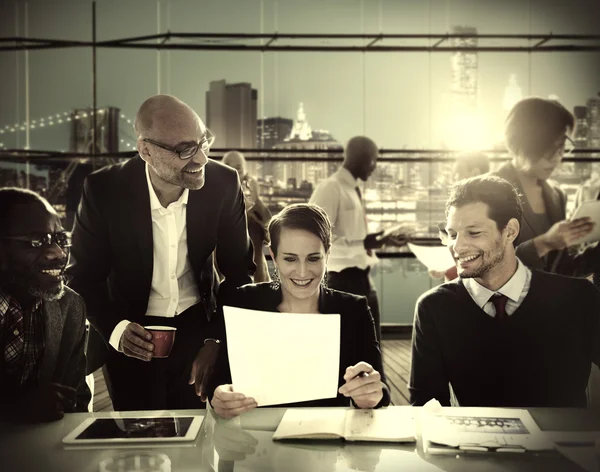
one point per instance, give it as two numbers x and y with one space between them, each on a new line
143 240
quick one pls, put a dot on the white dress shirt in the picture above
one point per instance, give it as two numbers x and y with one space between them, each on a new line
337 196
515 289
173 289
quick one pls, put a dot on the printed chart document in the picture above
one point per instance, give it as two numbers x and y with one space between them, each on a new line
393 424
436 258
482 429
283 357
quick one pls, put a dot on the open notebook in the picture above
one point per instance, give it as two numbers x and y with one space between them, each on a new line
393 424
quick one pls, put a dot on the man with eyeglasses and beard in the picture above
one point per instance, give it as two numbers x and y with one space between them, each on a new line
143 240
42 322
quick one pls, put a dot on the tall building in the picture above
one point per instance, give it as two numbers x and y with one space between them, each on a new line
231 114
272 131
302 137
464 65
107 130
512 93
593 122
580 136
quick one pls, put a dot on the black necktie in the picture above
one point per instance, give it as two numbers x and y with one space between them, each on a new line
499 302
362 204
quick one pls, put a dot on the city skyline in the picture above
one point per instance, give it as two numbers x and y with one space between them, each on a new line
399 99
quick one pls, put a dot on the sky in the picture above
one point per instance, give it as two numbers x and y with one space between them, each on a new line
398 99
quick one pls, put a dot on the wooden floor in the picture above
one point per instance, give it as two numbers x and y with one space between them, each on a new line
396 364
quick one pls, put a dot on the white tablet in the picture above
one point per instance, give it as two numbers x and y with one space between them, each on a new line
135 430
589 208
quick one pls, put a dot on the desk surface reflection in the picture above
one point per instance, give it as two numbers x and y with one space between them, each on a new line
245 444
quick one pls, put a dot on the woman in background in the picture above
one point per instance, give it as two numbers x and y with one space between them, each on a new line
537 134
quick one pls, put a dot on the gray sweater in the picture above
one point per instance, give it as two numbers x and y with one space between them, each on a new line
63 360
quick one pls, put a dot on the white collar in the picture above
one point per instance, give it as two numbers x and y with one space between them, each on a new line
512 289
347 177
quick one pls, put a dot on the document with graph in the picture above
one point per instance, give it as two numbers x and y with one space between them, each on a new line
482 429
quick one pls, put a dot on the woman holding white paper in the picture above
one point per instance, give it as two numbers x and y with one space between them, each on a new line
537 134
300 240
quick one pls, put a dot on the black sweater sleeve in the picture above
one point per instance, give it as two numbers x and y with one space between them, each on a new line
428 377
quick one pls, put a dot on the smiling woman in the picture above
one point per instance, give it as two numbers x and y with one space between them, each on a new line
300 241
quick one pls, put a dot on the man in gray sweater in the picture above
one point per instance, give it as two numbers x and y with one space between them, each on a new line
501 334
42 322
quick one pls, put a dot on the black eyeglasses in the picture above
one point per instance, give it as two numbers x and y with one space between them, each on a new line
37 240
205 143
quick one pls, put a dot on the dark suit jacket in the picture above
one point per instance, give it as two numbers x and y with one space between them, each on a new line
112 253
555 201
357 337
63 361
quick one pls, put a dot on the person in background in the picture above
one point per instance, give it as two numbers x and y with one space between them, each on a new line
537 134
257 212
353 248
501 334
300 241
42 322
143 243
470 164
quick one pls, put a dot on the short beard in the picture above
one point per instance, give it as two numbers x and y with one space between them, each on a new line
483 270
48 295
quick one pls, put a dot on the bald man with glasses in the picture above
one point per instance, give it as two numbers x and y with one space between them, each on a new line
143 244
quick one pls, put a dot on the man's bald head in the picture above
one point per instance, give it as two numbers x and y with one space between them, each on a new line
161 110
360 157
236 160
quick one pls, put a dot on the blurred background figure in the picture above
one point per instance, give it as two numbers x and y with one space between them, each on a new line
470 164
258 213
353 247
537 134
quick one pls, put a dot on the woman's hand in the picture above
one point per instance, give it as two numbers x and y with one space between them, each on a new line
563 234
228 404
363 385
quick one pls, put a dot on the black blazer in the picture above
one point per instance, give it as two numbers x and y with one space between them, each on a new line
112 254
357 337
560 262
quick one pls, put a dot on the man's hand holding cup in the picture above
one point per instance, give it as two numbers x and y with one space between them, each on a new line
135 342
147 343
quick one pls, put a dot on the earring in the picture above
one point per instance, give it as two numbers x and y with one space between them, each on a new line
324 280
275 282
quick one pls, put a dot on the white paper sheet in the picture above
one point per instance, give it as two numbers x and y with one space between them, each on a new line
283 357
433 257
